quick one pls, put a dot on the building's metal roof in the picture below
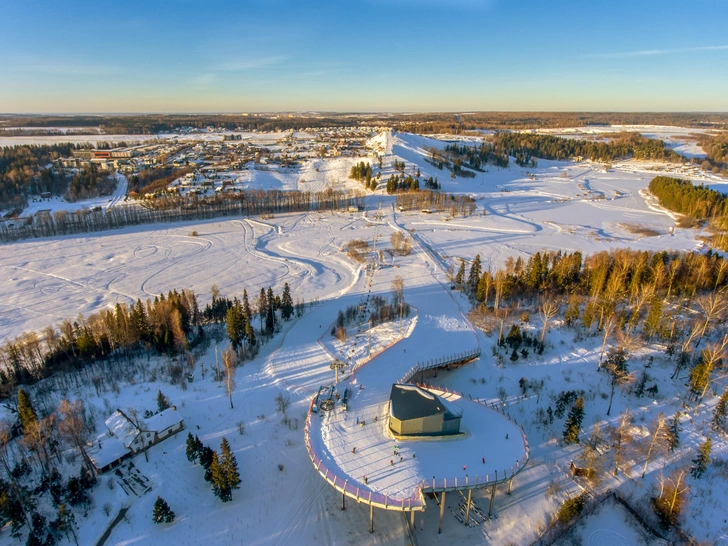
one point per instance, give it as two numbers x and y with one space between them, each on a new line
413 402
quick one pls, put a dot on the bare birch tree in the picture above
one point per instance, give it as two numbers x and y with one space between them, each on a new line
658 441
547 311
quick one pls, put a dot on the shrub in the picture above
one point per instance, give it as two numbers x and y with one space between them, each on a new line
571 508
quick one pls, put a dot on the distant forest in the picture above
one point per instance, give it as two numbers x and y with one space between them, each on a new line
418 123
620 146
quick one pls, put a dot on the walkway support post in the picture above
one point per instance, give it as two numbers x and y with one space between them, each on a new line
467 508
442 511
510 485
371 517
492 501
343 500
412 520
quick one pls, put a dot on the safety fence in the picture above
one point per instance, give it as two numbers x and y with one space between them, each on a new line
353 488
440 363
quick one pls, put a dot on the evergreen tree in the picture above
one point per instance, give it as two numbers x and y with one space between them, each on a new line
162 513
674 429
235 322
719 416
218 479
206 455
460 276
270 318
262 307
286 303
191 450
247 313
163 402
701 462
476 269
229 466
573 422
39 536
26 412
250 334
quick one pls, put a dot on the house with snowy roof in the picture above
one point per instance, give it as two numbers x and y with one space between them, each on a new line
126 438
414 411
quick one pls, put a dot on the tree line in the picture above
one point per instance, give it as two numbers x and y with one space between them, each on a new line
175 209
164 325
620 146
435 201
682 196
696 204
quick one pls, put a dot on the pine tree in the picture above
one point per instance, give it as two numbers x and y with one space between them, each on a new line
162 513
191 450
286 303
476 269
206 456
219 480
163 402
262 307
229 466
719 416
270 318
573 422
460 276
701 462
26 412
674 429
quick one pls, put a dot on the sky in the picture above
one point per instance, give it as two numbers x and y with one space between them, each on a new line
79 56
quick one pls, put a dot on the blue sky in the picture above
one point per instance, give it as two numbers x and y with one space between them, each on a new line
363 55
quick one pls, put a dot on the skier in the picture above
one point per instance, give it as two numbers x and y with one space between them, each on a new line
483 460
354 450
366 480
391 462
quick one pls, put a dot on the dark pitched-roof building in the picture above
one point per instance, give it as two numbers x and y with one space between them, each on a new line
414 411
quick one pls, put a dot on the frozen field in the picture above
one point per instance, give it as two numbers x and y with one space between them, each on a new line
568 207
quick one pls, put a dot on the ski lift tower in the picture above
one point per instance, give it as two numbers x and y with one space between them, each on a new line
336 365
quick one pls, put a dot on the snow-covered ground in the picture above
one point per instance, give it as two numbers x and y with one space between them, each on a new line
569 206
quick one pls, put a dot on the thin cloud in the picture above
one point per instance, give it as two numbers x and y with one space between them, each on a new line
656 52
242 65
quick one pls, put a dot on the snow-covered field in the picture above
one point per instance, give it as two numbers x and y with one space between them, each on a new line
569 206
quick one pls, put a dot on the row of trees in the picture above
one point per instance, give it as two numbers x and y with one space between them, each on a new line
397 183
463 205
455 157
178 208
168 325
604 277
